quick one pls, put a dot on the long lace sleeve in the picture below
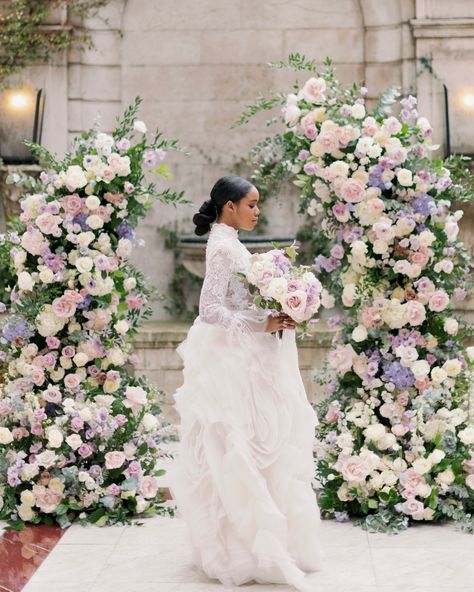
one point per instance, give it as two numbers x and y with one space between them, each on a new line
212 303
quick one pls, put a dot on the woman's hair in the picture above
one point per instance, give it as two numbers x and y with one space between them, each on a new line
227 188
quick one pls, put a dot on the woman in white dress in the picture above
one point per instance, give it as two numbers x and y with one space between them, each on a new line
242 477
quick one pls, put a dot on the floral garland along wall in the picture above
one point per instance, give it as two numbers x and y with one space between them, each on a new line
396 440
79 435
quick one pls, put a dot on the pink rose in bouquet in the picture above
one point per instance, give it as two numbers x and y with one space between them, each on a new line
280 285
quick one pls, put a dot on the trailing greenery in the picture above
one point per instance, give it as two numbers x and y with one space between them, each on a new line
25 39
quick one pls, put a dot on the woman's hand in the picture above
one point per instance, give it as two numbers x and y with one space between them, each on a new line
279 322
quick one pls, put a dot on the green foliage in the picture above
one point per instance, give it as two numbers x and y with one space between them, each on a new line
25 39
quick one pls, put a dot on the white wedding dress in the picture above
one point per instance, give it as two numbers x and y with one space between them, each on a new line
243 472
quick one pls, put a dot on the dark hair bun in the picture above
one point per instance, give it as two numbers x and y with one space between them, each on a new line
205 217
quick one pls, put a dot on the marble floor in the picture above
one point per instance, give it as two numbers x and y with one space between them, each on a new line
155 557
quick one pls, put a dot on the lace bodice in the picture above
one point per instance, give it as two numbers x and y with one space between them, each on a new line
225 299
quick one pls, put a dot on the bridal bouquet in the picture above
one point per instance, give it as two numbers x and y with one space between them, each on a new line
280 285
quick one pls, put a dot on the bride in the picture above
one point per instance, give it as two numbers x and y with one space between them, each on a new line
242 477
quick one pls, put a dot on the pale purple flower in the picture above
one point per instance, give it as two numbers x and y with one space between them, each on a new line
123 144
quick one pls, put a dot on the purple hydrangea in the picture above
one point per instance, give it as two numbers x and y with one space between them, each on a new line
81 220
422 204
124 230
400 376
16 327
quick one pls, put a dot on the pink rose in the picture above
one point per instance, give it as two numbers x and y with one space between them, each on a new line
421 257
413 507
113 198
37 376
47 500
148 487
34 242
69 351
313 90
354 470
114 459
415 313
52 394
332 414
352 190
72 204
341 358
371 317
294 305
424 285
135 397
344 135
63 308
73 296
438 301
52 342
104 213
341 212
411 479
134 301
113 489
328 141
48 360
470 481
72 381
85 450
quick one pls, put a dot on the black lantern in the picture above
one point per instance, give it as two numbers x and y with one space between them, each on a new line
21 118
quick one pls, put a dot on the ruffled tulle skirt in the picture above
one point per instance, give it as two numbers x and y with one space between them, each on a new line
243 472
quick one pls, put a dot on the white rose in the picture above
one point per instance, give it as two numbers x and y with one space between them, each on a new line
358 111
405 177
452 367
426 238
81 359
407 355
46 276
122 326
438 375
26 513
94 221
359 333
470 352
6 437
85 238
420 368
349 294
116 357
129 284
451 229
422 465
84 264
139 126
436 456
74 441
25 281
451 326
149 422
75 177
124 247
375 432
292 115
92 202
55 437
327 299
467 436
276 288
445 477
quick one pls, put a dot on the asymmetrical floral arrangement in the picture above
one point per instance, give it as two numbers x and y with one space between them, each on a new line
396 438
283 286
77 432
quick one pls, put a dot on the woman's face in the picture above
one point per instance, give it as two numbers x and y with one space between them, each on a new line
246 210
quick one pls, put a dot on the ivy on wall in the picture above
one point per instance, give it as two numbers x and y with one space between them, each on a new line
25 39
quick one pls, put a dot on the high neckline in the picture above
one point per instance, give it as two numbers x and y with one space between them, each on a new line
229 230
